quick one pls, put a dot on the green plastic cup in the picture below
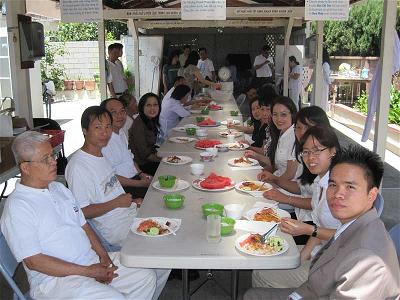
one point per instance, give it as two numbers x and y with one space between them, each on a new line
167 181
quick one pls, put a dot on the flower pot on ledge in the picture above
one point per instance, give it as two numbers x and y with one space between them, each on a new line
79 84
68 85
90 85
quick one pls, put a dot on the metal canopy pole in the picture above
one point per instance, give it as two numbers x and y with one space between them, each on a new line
387 43
288 31
102 60
318 64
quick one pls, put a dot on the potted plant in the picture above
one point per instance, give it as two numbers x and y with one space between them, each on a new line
68 84
90 84
79 83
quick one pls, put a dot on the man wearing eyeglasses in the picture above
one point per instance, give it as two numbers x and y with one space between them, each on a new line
46 230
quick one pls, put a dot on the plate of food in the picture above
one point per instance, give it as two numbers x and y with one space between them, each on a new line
178 186
206 143
155 226
238 146
215 107
208 122
179 129
266 214
254 188
242 162
233 122
213 183
251 244
225 133
182 139
176 160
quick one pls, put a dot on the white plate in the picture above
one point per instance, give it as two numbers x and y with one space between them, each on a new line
235 122
184 160
179 129
235 133
196 185
241 148
190 126
249 215
231 162
174 225
179 186
253 193
195 111
182 139
245 236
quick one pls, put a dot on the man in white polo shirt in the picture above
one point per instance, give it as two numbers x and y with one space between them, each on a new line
117 151
206 65
116 80
95 185
263 64
46 230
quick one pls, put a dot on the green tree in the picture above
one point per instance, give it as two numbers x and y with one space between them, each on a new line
361 34
49 68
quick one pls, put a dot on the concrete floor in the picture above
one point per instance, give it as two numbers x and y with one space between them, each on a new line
68 114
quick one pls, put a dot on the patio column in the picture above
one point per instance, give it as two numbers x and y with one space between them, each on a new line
382 112
288 32
102 60
133 30
318 64
19 77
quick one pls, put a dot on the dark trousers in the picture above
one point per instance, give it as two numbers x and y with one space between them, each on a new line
150 168
136 192
301 239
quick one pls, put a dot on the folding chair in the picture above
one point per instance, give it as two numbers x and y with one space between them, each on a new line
8 265
107 246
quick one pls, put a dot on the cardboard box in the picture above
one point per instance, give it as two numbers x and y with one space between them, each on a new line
7 157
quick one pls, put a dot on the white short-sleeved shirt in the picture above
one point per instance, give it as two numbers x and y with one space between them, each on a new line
92 180
265 70
285 151
172 111
45 221
206 67
128 124
117 76
120 156
295 84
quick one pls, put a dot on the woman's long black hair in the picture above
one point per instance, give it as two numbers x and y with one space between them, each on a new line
192 59
326 136
274 131
152 124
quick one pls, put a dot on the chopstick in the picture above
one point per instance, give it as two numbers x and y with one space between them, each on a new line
291 224
261 186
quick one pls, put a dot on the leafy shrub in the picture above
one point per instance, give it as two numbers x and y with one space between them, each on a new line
49 68
394 109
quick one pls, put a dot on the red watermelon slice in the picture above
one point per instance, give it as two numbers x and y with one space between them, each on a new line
213 181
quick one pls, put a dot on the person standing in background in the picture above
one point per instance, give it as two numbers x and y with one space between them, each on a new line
116 81
206 65
295 77
170 70
183 57
264 65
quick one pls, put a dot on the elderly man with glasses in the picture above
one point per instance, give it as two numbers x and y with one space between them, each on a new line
46 230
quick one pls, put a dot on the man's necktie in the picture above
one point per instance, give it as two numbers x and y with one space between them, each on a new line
321 251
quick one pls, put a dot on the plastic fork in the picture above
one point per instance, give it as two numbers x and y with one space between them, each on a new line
265 236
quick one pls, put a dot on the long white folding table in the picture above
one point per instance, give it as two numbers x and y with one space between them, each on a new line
189 249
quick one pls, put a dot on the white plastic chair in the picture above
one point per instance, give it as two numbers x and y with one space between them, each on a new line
107 246
8 265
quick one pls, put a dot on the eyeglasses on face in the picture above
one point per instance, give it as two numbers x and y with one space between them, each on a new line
316 152
47 160
281 115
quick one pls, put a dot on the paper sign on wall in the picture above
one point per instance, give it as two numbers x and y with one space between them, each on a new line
81 11
321 10
203 9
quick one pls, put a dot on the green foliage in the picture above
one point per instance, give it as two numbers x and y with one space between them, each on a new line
68 32
394 109
360 35
49 68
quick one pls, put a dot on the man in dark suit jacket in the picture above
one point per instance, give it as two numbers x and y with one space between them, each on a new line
360 261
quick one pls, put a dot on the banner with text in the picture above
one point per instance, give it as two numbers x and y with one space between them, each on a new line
203 9
325 10
81 11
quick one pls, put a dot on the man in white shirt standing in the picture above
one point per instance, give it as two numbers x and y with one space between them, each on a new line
117 151
46 230
116 81
206 65
264 65
360 261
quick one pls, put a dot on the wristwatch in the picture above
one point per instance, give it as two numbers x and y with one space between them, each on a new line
314 233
